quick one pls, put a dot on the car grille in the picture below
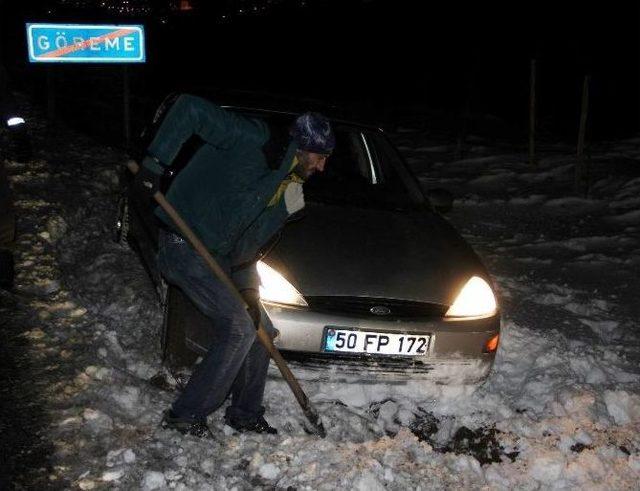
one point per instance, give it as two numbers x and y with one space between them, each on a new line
357 363
368 369
373 368
361 307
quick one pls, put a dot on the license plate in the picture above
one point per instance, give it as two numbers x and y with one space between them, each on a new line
376 343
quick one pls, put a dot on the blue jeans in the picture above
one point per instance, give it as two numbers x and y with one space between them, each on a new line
237 362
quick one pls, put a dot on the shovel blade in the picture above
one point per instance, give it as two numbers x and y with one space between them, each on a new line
313 423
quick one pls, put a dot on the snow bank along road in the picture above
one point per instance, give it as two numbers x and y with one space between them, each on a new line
561 408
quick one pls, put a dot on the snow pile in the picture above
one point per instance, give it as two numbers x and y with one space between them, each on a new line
623 407
561 409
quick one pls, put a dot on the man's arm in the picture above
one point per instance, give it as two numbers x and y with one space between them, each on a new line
191 115
246 277
263 228
247 282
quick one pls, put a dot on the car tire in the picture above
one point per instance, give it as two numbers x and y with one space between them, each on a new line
177 313
121 232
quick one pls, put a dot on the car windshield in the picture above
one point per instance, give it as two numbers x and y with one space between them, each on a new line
364 170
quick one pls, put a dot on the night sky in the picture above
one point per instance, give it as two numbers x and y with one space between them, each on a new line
392 58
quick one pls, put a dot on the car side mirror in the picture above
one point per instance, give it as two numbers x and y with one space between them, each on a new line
441 200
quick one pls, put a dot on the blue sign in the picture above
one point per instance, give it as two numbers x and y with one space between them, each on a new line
79 43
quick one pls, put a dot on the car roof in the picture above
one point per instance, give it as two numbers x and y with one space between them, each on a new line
276 104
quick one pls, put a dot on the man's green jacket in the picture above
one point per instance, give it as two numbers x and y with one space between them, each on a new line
224 191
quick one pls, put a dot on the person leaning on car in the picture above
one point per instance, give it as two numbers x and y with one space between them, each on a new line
235 200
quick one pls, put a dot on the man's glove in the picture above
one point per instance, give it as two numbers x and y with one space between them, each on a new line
294 197
252 297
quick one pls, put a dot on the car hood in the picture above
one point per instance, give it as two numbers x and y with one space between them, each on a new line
408 255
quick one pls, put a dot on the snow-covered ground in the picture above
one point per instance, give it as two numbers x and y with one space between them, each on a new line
561 408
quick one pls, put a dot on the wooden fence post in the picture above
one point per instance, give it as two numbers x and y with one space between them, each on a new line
532 114
581 178
466 119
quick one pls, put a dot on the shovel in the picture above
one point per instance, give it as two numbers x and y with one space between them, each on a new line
309 411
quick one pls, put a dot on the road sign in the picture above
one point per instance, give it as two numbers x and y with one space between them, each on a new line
80 43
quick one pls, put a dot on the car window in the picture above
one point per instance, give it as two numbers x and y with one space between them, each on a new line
364 170
347 175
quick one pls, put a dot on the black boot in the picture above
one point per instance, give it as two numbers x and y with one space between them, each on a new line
197 428
258 426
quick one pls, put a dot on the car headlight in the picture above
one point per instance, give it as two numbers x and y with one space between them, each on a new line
476 299
275 288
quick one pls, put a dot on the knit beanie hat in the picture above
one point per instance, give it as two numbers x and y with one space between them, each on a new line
312 132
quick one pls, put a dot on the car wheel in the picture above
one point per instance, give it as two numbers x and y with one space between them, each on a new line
177 312
121 232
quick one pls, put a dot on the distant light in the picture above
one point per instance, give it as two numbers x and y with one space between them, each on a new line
15 121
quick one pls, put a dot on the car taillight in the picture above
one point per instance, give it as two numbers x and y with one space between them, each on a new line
491 344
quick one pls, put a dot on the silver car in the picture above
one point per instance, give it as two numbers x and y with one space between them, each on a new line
372 281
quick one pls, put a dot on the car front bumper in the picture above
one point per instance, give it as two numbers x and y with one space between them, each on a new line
456 352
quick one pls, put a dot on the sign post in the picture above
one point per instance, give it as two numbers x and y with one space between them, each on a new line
84 43
126 105
51 94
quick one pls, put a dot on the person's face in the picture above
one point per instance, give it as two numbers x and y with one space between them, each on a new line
309 163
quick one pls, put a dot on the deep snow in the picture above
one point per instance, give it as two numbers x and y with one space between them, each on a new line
561 408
